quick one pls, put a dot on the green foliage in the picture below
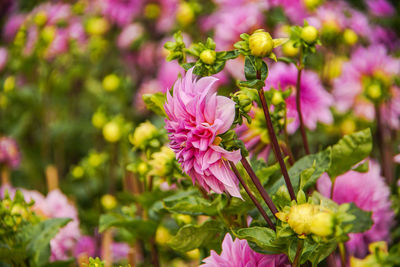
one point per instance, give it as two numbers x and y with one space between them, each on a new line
191 236
155 102
350 150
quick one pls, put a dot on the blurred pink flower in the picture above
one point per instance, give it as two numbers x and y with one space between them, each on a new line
10 155
313 96
3 57
120 251
121 12
167 17
129 34
85 244
59 45
369 192
12 26
295 10
368 63
196 115
239 254
380 8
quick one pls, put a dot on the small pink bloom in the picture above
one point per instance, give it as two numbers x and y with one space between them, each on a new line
129 34
9 152
196 115
239 254
121 12
380 8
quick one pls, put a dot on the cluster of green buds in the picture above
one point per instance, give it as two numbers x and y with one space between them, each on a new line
90 165
147 137
243 99
377 87
278 99
176 49
14 214
163 162
302 41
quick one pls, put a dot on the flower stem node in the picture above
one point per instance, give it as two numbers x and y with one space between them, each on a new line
208 56
244 101
309 34
261 43
112 132
111 82
322 224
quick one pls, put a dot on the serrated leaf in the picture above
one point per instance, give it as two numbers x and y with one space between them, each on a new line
350 150
363 219
155 102
190 236
263 237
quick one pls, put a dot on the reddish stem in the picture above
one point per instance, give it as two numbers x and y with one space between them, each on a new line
299 114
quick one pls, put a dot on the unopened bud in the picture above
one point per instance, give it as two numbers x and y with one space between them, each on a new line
350 37
78 172
300 218
108 202
99 119
112 132
348 126
277 98
9 84
289 50
111 82
143 133
48 33
152 11
374 91
193 254
245 102
40 18
97 26
261 43
322 224
162 161
162 235
309 34
208 56
185 14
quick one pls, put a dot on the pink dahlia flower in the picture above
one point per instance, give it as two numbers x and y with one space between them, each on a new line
239 254
369 192
380 8
295 10
85 245
313 96
196 115
372 63
9 152
121 12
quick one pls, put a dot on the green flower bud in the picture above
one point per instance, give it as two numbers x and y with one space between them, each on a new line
95 159
78 172
97 26
289 50
322 224
208 56
185 14
374 91
40 18
162 235
99 119
162 162
152 11
143 134
277 98
244 101
309 34
108 202
193 254
48 33
350 37
261 43
142 168
300 218
111 82
348 126
112 132
9 84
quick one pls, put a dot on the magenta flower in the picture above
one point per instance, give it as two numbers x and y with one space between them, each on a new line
369 192
239 254
367 65
196 115
121 12
9 152
129 35
380 8
12 26
313 96
85 245
295 10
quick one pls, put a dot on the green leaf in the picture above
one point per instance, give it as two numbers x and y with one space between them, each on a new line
257 84
316 252
136 226
263 237
195 205
252 65
321 161
363 220
305 175
155 102
228 55
287 60
38 239
350 150
188 66
363 167
190 236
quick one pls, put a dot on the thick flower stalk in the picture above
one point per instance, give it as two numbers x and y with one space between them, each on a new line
196 116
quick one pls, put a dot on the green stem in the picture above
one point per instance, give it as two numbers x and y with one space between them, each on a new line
342 251
296 261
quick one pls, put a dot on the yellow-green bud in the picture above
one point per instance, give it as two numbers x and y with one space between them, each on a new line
48 33
300 218
9 84
193 254
261 43
277 98
3 101
185 14
162 235
208 56
78 172
322 224
312 4
112 132
348 126
19 209
309 34
244 101
99 119
108 202
95 159
97 26
374 91
162 161
152 11
350 37
289 50
40 18
111 82
143 133
142 168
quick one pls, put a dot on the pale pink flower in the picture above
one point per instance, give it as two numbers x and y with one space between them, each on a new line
121 12
380 8
129 35
313 96
369 192
196 115
295 10
239 254
368 63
